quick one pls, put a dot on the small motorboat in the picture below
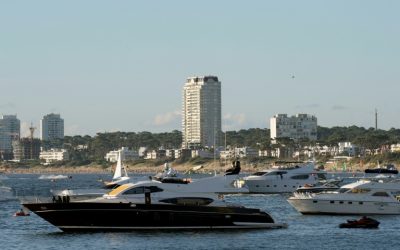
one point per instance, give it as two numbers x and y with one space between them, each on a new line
364 222
21 213
387 169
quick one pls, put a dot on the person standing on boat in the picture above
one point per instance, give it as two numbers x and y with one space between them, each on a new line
235 169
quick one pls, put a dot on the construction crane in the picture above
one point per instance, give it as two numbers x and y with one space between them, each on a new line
32 129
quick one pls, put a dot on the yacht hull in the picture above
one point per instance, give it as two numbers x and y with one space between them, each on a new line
97 216
313 206
276 186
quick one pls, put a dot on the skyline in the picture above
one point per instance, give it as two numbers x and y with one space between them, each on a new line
121 66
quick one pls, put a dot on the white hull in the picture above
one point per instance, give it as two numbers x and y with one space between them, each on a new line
277 186
280 179
312 206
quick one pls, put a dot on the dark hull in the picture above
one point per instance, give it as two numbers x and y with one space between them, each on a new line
381 171
350 225
316 189
366 223
82 216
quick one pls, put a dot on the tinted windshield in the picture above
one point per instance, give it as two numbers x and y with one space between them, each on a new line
259 173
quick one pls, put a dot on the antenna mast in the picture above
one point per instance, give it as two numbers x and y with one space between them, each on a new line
376 119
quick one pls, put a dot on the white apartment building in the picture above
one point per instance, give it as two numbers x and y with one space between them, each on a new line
203 154
156 154
246 152
54 155
295 127
347 148
126 154
10 129
201 112
51 127
395 148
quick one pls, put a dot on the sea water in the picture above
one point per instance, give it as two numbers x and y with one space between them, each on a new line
303 232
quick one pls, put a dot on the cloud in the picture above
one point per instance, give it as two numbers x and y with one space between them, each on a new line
169 117
338 107
233 121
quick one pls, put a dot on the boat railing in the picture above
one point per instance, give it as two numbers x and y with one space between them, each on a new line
35 199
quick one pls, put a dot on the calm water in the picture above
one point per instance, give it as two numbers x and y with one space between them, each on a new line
304 232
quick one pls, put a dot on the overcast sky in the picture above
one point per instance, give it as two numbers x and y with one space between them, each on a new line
121 65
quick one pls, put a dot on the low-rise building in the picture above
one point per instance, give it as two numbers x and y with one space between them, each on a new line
395 148
126 154
347 148
54 155
183 153
246 152
202 153
156 154
142 151
227 154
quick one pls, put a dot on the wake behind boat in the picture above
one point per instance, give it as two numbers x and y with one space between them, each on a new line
53 177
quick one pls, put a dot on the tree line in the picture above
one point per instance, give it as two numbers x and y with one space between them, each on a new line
87 149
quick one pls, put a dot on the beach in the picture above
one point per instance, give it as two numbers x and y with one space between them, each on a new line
209 167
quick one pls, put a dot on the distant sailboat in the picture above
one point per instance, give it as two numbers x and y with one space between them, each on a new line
120 175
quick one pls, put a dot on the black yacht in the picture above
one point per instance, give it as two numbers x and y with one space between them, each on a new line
387 169
148 208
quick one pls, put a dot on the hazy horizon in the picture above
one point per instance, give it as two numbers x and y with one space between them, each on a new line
120 66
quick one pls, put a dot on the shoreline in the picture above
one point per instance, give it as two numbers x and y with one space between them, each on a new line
143 169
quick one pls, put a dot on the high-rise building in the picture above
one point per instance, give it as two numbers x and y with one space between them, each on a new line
26 149
295 127
51 127
10 129
201 112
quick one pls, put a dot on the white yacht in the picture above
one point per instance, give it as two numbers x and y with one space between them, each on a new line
120 175
361 197
283 179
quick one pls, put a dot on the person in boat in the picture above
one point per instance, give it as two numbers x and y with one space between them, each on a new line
21 212
235 169
364 219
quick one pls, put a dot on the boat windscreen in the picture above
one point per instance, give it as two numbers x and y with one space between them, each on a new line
343 190
188 201
259 173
